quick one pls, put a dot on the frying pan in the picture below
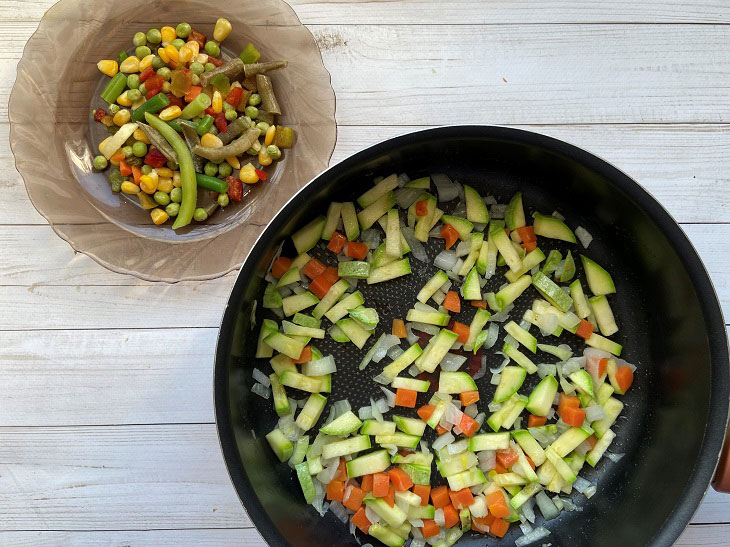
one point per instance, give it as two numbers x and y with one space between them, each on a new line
671 327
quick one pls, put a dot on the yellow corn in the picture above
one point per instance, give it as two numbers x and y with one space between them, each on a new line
130 64
185 54
248 174
167 34
201 58
163 54
165 184
172 53
148 184
108 67
217 103
146 61
222 29
158 216
141 136
122 117
130 188
193 46
270 134
176 180
233 162
123 99
264 158
108 120
163 172
139 102
170 113
211 141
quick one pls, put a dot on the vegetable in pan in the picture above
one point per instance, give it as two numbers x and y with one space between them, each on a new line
182 118
498 451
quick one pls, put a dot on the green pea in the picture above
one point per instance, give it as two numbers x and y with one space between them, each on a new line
178 43
157 62
209 67
139 39
223 200
146 169
163 198
116 185
183 30
173 208
210 169
263 127
231 115
195 79
142 89
153 36
127 151
254 99
200 214
164 72
227 106
113 108
197 68
100 163
273 151
224 170
252 112
134 95
176 195
133 81
115 176
139 149
211 48
142 51
166 87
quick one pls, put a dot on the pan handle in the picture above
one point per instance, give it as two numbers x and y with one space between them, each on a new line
721 482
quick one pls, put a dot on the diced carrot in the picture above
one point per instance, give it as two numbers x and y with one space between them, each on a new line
497 504
468 397
313 268
462 330
440 497
330 274
567 401
341 473
430 528
585 329
573 416
381 485
461 498
422 208
425 412
507 458
136 174
280 266
400 480
361 521
305 356
367 483
337 242
529 460
468 425
399 328
449 234
124 168
593 441
116 158
422 490
499 469
602 364
499 527
356 250
335 490
481 304
527 233
320 286
390 498
624 377
406 397
451 516
529 246
452 302
440 430
354 501
482 523
193 92
536 421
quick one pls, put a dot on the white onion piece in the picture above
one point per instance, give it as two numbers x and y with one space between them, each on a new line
460 209
547 323
447 190
489 200
445 260
395 352
492 334
439 517
482 368
410 337
471 410
463 248
536 535
382 405
261 390
570 366
380 379
544 369
376 413
496 378
298 289
487 460
439 296
424 447
270 278
365 413
502 316
509 339
420 306
391 448
613 457
479 226
593 353
580 484
318 501
494 407
385 342
318 367
500 368
403 179
583 236
424 327
480 418
518 423
331 415
414 371
417 250
260 377
285 291
372 516
497 211
452 414
546 505
559 270
595 412
371 238
417 542
442 440
551 414
590 491
525 527
389 396
329 472
452 362
436 231
339 511
405 197
622 363
457 447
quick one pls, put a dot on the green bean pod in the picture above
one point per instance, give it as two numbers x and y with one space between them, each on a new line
266 90
212 183
236 148
114 88
205 124
233 69
152 105
196 107
159 142
262 68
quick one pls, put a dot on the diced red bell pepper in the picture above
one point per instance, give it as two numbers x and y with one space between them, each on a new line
175 101
235 188
261 174
151 94
215 60
196 36
234 96
154 83
155 158
210 112
221 123
146 73
99 114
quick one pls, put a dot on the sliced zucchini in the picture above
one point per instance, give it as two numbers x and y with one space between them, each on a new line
570 439
393 235
512 292
378 191
292 329
374 427
455 382
333 219
281 446
370 214
354 332
311 411
476 209
298 302
305 481
466 479
477 324
520 358
611 408
436 349
429 317
410 426
521 335
531 447
599 342
263 350
281 401
431 286
390 271
471 289
398 439
347 446
356 269
489 441
349 221
421 386
541 398
601 446
604 315
552 292
506 249
307 237
583 382
599 280
568 269
532 259
402 362
341 309
296 380
554 228
342 425
332 296
511 380
285 344
460 224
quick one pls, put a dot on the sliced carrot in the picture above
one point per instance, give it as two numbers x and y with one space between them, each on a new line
280 266
313 268
124 168
399 328
305 356
367 483
499 527
425 412
137 174
335 490
440 430
529 246
360 520
452 302
193 92
602 364
449 234
341 473
461 498
390 498
462 330
337 242
381 485
468 397
527 233
593 441
430 528
507 458
400 480
497 504
536 421
481 304
422 208
574 417
585 329
468 425
356 250
451 516
624 377
406 397
423 491
354 501
440 497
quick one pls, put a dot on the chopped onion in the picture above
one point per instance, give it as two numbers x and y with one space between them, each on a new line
370 237
260 377
339 511
590 491
536 535
595 412
547 323
544 369
452 362
417 250
424 327
541 437
389 396
424 447
285 291
442 440
613 457
298 289
418 543
471 410
551 414
439 296
518 423
492 334
385 342
261 390
380 379
569 505
580 484
460 209
395 352
571 365
487 460
318 367
391 448
410 337
439 517
420 306
557 215
413 370
458 447
496 378
463 248
365 413
583 236
331 415
447 190
382 405
403 179
546 505
497 211
376 412
318 501
341 407
494 407
482 368
622 363
559 270
509 339
372 516
525 527
445 260
500 368
405 197
480 418
329 471
502 316
436 231
452 415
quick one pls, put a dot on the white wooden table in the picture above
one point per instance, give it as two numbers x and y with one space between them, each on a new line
106 414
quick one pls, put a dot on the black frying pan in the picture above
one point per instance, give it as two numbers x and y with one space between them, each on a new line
670 325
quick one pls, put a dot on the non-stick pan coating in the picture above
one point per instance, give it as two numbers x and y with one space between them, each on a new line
670 327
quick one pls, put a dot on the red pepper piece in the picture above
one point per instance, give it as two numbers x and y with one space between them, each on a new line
196 36
261 174
235 188
215 61
220 122
99 114
234 96
155 158
146 73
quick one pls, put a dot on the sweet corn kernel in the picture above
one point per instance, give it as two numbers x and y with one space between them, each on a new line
146 61
193 46
233 162
185 54
270 134
123 99
139 102
172 53
130 64
108 67
264 158
222 29
170 113
159 216
211 141
163 172
248 174
108 120
165 184
176 180
130 188
167 34
217 103
122 117
148 184
141 136
201 58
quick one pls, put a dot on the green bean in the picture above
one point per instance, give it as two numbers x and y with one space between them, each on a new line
205 124
114 88
191 139
235 148
158 141
264 116
233 69
262 68
196 107
100 163
187 171
266 90
235 129
212 183
151 106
